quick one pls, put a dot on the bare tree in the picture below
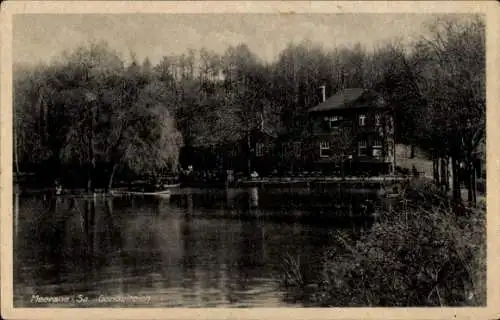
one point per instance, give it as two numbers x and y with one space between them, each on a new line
457 59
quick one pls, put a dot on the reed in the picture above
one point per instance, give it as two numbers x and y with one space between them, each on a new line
428 252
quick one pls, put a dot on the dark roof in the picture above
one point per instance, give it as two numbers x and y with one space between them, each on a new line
351 98
266 131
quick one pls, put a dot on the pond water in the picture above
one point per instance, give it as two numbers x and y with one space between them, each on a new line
200 248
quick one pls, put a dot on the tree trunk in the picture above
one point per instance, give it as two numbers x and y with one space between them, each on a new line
474 184
412 151
456 180
445 180
468 180
89 180
471 181
249 162
451 175
435 169
110 181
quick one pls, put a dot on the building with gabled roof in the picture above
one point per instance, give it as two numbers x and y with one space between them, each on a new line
353 131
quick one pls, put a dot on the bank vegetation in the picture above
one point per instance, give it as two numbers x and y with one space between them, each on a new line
425 250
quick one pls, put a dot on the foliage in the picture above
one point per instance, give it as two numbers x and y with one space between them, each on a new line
89 108
437 86
456 59
410 257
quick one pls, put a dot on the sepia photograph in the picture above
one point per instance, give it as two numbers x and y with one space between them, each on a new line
247 160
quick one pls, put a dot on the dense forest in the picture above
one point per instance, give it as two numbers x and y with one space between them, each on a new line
91 111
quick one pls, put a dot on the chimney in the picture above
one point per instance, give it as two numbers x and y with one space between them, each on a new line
341 79
323 93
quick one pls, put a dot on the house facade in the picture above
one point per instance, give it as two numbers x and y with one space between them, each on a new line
261 151
352 132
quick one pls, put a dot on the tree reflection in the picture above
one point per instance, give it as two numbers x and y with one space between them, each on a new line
207 247
254 198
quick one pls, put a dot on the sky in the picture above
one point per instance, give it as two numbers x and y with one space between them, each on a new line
43 37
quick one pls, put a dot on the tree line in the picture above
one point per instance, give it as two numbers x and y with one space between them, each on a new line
90 109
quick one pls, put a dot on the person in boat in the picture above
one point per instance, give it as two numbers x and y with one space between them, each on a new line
58 187
254 175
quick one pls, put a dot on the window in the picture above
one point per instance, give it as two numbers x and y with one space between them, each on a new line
324 149
333 121
378 120
362 149
362 120
259 149
377 147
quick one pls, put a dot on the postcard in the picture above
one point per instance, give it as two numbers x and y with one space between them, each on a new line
249 159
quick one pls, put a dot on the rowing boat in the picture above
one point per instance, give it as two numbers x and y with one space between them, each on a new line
162 193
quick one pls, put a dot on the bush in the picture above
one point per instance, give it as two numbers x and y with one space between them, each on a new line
412 256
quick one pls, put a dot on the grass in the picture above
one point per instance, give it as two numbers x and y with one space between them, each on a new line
422 252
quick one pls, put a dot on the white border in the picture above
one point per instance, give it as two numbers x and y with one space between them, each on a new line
490 8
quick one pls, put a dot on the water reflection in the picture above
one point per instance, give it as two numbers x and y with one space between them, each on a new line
199 248
254 197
